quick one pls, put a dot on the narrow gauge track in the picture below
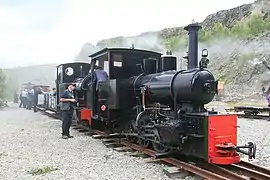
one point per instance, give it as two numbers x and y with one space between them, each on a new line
248 116
240 171
259 116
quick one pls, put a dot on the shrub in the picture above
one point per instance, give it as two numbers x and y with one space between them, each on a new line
2 84
251 26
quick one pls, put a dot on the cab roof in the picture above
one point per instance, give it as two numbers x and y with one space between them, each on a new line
107 50
72 63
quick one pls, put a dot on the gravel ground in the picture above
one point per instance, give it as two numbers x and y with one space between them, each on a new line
30 141
256 131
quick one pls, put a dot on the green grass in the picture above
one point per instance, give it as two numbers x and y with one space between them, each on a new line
232 104
44 170
174 42
2 154
246 103
249 27
2 84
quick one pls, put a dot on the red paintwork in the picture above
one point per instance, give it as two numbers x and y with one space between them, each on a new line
222 134
86 114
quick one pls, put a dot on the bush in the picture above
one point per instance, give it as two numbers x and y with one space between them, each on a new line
2 84
217 31
174 42
251 26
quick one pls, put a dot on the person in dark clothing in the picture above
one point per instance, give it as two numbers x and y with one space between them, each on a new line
30 99
21 100
67 100
54 92
99 76
37 91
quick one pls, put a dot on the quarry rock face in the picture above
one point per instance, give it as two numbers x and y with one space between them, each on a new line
228 17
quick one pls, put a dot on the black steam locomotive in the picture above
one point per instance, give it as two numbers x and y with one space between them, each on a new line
153 104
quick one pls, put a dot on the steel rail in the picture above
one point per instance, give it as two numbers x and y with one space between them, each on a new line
194 169
250 170
221 171
254 167
177 163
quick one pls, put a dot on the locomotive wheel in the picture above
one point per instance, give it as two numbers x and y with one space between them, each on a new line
131 128
143 142
143 120
132 139
159 148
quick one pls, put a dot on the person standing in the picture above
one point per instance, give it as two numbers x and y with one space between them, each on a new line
30 99
21 101
23 98
101 74
54 91
37 91
67 100
53 97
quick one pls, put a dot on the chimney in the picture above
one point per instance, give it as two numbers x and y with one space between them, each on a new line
193 30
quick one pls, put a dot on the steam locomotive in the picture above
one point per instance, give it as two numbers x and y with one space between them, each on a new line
151 103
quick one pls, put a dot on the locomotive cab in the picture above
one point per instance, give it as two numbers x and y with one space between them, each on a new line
109 99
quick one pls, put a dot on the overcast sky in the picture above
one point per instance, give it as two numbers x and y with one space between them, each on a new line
53 31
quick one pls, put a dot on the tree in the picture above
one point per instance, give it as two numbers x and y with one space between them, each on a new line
2 84
173 43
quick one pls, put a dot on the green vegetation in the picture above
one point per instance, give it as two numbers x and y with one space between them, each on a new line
246 28
2 84
174 42
2 154
245 103
39 74
11 88
39 171
251 27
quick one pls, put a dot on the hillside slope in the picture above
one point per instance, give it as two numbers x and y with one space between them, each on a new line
237 39
39 74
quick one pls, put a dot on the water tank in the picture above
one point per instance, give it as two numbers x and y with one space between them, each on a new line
149 66
168 62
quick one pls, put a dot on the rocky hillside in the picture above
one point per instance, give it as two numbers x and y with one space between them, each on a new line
237 39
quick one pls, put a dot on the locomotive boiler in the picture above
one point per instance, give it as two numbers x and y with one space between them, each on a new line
196 86
171 115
